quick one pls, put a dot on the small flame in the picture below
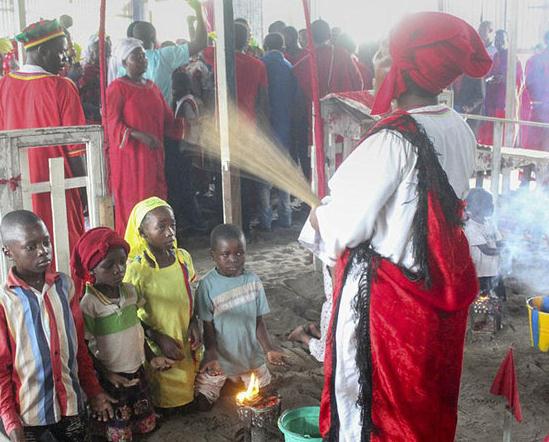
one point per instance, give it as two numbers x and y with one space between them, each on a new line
251 393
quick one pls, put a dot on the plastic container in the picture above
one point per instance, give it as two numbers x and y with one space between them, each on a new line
300 425
538 315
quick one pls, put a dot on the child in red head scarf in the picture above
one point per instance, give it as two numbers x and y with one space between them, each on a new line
113 330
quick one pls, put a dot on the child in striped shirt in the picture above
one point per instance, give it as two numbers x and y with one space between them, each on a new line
45 368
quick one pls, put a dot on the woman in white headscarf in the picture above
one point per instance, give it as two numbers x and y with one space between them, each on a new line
138 119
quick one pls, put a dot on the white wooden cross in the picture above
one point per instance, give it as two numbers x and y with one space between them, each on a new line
14 146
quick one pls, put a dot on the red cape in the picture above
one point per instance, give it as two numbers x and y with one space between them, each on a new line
417 336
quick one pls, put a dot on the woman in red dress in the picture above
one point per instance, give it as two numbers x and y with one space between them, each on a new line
138 119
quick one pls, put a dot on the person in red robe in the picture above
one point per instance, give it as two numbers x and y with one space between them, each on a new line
496 87
35 96
89 83
336 70
251 77
404 277
293 52
138 118
537 85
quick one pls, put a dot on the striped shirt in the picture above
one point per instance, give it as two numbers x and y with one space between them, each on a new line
43 358
113 330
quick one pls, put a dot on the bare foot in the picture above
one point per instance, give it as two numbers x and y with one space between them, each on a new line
299 335
313 330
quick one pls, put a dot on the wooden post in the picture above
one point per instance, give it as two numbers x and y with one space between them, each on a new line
226 98
496 160
59 214
20 10
9 198
138 10
507 422
512 13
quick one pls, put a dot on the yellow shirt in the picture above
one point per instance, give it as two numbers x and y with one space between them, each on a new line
168 309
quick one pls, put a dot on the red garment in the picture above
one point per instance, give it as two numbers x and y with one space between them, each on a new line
136 171
251 77
366 74
432 48
45 100
90 93
336 72
91 249
416 338
537 72
295 57
505 384
494 101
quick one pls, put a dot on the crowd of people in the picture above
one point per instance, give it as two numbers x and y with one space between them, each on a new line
487 95
109 332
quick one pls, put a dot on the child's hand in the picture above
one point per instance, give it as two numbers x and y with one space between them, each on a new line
194 336
120 381
169 346
277 357
160 363
101 407
17 435
210 365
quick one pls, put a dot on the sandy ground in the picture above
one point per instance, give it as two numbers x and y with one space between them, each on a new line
295 295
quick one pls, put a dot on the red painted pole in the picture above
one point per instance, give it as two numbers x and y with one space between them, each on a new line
103 67
318 127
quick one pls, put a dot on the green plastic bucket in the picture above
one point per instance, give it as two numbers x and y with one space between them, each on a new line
300 425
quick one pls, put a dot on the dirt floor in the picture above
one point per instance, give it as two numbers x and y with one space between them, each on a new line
295 295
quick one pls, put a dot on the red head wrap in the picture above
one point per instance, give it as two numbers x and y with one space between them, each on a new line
89 251
433 49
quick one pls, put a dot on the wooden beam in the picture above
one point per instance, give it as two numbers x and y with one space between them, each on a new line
138 10
511 13
20 11
226 98
59 214
496 161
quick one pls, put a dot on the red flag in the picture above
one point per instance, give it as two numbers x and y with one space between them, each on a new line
505 384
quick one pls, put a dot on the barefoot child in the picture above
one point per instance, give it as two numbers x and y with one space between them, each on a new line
231 302
162 274
114 333
485 240
45 367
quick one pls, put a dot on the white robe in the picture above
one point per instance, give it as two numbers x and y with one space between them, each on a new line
373 196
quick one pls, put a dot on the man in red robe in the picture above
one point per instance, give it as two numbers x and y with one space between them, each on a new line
404 277
293 52
336 70
496 87
537 84
35 96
